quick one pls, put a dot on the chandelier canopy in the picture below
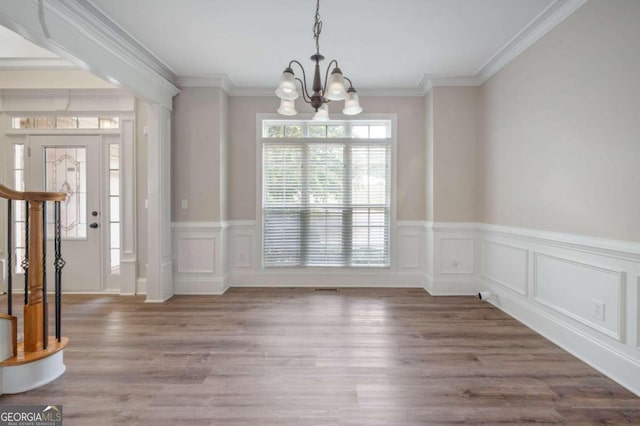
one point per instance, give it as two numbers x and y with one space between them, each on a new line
333 89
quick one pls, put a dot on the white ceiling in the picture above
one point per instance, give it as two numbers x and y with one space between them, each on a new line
388 44
13 45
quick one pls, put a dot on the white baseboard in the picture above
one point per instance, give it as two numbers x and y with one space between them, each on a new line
141 286
214 287
616 365
553 283
312 279
457 287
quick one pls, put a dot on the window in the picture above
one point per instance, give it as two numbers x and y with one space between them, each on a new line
66 171
326 194
65 123
114 206
19 208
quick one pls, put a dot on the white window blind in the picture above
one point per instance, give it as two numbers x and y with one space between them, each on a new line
326 202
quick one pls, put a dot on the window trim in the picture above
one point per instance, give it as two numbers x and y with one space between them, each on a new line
336 118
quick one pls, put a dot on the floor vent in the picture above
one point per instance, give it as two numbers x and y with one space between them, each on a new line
325 289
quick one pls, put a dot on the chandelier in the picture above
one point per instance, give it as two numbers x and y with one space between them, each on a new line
333 89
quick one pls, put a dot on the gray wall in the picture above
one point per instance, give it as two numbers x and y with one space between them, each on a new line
560 129
411 151
197 154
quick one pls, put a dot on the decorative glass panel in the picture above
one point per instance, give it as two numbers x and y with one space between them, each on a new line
23 123
66 171
273 131
317 131
336 132
109 122
293 131
360 131
88 123
378 132
114 205
19 206
67 123
45 122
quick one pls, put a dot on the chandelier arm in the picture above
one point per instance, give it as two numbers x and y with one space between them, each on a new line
303 85
304 77
350 83
326 75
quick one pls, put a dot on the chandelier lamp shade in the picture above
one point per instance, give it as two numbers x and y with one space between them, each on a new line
333 89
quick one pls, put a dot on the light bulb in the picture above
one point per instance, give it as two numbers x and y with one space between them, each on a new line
287 87
352 103
335 89
322 114
287 107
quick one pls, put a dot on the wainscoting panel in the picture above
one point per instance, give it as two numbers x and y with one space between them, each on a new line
199 263
408 269
196 254
456 255
581 293
586 293
506 265
410 249
452 264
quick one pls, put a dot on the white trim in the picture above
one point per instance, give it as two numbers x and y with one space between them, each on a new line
604 358
222 81
201 287
596 268
159 237
105 49
31 63
141 286
616 248
32 375
451 286
553 15
621 277
486 242
96 25
452 226
214 226
393 141
548 19
66 101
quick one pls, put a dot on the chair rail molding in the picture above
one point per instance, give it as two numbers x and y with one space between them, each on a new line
582 293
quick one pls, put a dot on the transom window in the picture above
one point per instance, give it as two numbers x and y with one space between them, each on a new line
326 193
65 123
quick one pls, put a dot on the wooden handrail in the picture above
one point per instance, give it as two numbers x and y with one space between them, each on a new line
11 194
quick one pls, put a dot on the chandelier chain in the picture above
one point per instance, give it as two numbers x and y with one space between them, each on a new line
317 27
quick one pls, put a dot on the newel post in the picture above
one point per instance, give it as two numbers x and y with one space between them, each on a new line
34 321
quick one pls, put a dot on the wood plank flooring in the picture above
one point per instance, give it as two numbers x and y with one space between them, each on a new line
299 357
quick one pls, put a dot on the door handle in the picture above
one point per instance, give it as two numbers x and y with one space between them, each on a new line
93 226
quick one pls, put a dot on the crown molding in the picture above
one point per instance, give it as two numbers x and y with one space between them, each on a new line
61 21
94 23
44 93
548 19
79 32
34 63
223 81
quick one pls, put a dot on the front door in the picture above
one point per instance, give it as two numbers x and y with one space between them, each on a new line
71 164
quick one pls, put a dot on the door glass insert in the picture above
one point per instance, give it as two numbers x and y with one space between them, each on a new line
19 207
66 171
114 205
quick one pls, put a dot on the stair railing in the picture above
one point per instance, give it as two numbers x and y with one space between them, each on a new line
36 324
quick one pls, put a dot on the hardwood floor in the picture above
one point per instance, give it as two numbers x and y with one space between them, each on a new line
299 357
